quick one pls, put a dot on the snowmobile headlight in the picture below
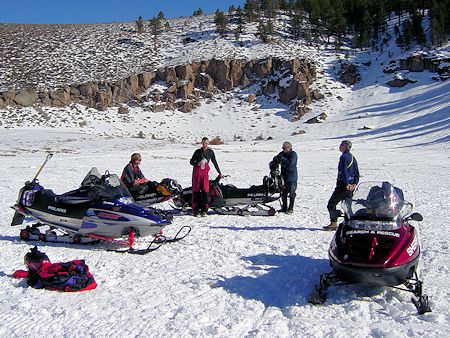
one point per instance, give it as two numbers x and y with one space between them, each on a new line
373 225
126 200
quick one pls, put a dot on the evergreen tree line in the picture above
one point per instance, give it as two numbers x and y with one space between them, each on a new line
155 26
366 20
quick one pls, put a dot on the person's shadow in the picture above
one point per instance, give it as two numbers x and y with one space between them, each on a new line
289 280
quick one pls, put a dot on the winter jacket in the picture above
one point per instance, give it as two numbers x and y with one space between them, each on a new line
130 174
208 155
348 172
288 165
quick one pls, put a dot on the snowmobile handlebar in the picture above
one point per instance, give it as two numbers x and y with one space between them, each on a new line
47 158
217 179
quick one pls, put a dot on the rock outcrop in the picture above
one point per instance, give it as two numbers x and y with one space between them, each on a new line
349 73
185 84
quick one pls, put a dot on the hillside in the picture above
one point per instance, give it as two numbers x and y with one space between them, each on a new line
57 55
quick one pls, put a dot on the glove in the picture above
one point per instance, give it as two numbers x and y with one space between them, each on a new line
277 159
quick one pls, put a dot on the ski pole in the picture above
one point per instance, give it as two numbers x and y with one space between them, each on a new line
49 156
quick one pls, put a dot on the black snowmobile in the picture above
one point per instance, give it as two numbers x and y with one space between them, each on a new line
375 244
100 209
154 192
226 199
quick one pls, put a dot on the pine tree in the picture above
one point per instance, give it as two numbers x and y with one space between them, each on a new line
404 39
337 22
314 13
240 20
417 29
155 29
439 19
295 23
362 29
237 34
269 7
263 31
140 25
270 28
198 12
161 15
251 9
221 23
284 5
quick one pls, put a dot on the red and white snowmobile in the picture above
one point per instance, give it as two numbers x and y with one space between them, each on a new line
375 244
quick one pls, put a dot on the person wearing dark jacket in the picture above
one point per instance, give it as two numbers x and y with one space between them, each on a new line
288 160
132 176
200 179
347 180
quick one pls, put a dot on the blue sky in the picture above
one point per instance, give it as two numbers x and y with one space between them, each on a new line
92 11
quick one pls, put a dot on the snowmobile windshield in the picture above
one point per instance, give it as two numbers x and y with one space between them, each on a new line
91 178
106 186
111 184
376 205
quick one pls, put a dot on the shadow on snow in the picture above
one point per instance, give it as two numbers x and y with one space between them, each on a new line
410 128
288 280
269 227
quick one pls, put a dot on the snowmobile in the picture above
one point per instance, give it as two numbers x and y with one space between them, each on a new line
154 192
375 244
100 209
226 199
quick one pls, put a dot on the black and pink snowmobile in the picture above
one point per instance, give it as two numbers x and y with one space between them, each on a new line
375 244
100 209
226 199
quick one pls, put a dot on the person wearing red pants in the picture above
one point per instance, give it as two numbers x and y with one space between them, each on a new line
200 179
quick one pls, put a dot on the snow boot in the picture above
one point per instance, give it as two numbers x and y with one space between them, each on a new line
331 227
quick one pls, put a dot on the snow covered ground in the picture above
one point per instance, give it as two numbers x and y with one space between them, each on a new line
241 276
237 276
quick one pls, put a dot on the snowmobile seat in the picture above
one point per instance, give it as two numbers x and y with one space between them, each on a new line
72 199
230 191
46 200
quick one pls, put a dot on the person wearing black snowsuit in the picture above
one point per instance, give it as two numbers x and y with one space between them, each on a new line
347 179
132 176
200 178
288 160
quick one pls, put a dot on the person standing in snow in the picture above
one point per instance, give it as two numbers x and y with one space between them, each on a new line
347 180
288 160
132 176
200 179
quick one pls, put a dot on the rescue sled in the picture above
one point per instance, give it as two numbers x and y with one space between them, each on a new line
375 244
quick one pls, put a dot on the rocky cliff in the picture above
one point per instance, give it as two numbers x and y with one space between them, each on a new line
181 87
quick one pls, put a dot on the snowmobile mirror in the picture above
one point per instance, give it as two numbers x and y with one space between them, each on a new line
415 217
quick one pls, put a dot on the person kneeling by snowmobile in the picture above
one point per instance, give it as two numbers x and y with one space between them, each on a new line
288 160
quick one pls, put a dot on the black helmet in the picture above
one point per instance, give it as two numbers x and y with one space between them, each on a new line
34 259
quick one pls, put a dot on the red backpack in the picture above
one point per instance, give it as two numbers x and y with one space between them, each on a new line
68 277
